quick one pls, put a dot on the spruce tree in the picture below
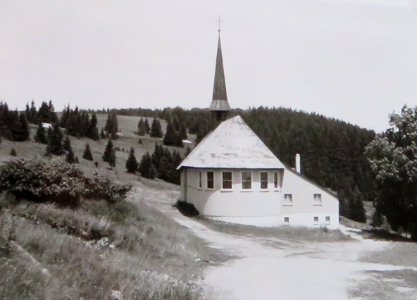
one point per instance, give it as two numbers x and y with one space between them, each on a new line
141 127
146 167
33 113
27 113
54 145
112 160
147 127
20 131
87 152
92 129
40 135
102 134
131 163
13 152
70 157
44 113
169 137
156 130
108 151
111 126
66 145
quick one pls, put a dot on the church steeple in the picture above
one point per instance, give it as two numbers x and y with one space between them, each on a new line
219 106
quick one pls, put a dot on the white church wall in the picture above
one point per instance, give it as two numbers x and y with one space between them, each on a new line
303 208
235 202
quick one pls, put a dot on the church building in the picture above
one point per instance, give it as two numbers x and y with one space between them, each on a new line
232 176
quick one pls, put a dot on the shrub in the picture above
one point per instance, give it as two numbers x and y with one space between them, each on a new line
13 152
56 181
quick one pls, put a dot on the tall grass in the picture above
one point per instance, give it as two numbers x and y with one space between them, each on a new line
80 254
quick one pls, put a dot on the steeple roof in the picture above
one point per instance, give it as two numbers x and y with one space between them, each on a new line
219 102
232 145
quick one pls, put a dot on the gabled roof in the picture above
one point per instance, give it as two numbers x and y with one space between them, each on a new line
232 145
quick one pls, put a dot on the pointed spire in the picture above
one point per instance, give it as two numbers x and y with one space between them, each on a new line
219 88
219 105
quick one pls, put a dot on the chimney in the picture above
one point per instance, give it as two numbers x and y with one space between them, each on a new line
298 163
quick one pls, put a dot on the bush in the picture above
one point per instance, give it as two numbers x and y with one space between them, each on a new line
187 209
55 181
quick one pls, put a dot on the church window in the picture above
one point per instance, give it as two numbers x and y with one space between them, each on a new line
316 220
287 220
227 180
277 180
246 180
327 220
200 180
210 180
264 180
317 199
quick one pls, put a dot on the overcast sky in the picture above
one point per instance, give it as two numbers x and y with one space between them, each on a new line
355 60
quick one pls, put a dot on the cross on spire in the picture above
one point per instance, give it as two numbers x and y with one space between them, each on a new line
219 25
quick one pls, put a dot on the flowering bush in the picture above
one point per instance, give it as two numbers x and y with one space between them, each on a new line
56 181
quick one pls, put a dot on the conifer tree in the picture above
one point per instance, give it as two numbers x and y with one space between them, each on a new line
102 134
111 126
147 127
20 131
141 127
33 113
146 167
169 137
156 130
131 163
44 113
108 151
40 135
27 113
112 160
66 145
70 157
87 152
92 128
13 152
54 145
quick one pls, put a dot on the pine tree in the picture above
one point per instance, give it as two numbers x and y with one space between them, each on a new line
141 127
146 167
108 151
92 128
13 152
66 145
54 138
131 163
70 157
112 160
87 152
33 113
147 127
44 113
111 126
40 135
20 131
156 130
169 137
102 134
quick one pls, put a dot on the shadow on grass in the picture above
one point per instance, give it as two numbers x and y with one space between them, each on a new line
186 209
381 234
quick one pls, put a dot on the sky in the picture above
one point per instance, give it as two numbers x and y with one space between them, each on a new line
354 60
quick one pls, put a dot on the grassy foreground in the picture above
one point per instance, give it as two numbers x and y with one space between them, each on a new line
94 251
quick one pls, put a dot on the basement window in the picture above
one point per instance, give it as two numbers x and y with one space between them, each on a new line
246 180
288 199
227 180
286 220
317 199
264 180
210 180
